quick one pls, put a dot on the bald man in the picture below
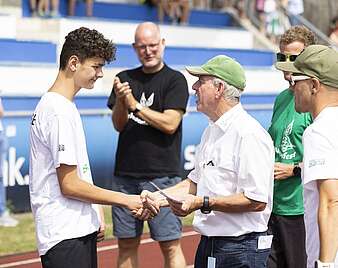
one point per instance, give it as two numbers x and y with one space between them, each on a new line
148 104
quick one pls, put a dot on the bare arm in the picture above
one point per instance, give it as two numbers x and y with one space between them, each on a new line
120 109
73 187
183 188
236 203
283 171
167 122
328 219
231 204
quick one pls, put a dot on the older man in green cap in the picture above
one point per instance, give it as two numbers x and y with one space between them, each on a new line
230 189
315 83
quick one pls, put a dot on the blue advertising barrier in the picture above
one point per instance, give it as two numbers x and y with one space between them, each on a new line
101 140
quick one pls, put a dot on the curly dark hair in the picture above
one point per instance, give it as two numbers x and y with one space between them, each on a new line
298 33
86 43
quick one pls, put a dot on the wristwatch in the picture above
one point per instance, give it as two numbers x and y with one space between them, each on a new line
319 264
205 209
138 108
297 171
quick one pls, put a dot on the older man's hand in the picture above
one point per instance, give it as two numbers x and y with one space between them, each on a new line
186 205
150 208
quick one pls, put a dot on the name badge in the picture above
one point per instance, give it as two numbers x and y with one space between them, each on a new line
264 241
211 262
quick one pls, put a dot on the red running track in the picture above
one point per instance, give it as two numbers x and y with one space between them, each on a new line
149 253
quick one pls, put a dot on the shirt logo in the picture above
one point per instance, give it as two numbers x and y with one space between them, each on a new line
285 150
61 148
85 168
33 119
145 103
316 162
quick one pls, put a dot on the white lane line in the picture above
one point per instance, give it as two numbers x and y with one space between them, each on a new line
99 249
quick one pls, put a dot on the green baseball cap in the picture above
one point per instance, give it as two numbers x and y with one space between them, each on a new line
222 67
315 61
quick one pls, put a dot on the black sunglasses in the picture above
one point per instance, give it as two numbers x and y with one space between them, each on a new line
284 57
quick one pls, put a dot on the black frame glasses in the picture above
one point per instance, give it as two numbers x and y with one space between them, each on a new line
286 57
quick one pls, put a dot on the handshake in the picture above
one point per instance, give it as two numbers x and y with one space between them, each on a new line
147 205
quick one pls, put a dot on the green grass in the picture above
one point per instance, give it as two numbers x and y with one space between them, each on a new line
21 238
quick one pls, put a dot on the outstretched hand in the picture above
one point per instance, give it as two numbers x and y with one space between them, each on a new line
188 204
144 209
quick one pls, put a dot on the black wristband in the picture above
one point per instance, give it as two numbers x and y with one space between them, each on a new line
205 209
297 171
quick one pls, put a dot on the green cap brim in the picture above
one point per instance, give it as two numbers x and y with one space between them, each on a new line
196 71
286 66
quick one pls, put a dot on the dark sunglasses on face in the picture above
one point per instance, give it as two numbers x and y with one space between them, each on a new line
285 57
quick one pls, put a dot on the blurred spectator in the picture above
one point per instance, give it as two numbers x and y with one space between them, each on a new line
295 8
259 8
201 4
5 219
276 21
239 6
179 11
35 7
89 8
41 8
334 30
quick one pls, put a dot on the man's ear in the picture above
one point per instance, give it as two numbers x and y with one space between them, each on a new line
315 86
220 90
73 63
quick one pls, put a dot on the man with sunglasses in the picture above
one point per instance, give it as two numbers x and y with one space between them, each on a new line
287 126
315 84
148 104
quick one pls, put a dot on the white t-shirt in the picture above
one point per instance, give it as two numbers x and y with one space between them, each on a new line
57 137
319 162
236 155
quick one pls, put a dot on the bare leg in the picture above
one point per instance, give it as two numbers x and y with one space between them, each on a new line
128 257
89 8
55 7
173 254
185 11
71 7
32 5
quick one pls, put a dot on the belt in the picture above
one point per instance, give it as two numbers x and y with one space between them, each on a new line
235 238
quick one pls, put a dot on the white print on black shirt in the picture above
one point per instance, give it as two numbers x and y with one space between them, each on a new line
145 103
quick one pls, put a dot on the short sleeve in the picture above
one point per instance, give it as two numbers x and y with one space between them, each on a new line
320 157
177 94
255 168
61 141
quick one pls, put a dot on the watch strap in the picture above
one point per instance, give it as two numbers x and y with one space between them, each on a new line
319 264
205 209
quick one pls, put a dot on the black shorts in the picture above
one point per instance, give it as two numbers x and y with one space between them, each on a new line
77 252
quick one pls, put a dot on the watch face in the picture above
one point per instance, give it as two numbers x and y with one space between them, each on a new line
205 210
297 171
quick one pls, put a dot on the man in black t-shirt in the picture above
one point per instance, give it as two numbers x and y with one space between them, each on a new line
148 104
